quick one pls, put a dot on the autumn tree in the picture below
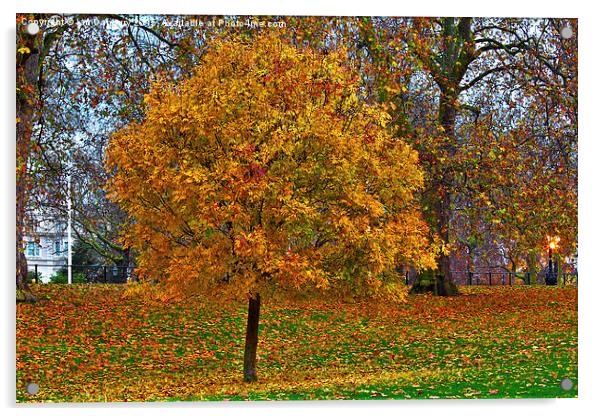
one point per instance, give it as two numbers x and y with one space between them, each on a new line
89 62
462 90
521 144
27 75
32 47
82 101
266 173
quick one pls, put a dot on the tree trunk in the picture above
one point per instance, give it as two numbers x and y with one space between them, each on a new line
24 293
441 284
250 359
122 266
532 263
513 272
456 54
27 98
432 281
443 208
559 273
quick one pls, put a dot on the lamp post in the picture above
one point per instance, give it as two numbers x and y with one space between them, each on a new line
552 274
69 237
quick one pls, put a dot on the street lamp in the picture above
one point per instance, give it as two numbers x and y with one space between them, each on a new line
552 274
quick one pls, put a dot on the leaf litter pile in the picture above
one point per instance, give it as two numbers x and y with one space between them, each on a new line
93 343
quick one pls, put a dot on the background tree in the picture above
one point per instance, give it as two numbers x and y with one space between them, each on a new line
265 173
81 101
27 76
95 76
517 108
85 75
31 50
461 89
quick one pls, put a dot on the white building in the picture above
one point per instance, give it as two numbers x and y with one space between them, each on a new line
47 248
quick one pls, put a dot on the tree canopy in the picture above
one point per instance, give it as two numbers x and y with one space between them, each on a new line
489 104
266 171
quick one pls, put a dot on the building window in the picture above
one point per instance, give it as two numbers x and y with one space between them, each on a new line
30 249
57 248
59 227
65 247
33 250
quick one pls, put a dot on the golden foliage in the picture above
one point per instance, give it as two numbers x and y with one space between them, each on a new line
265 172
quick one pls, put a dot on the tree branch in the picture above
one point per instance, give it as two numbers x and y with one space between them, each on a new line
483 75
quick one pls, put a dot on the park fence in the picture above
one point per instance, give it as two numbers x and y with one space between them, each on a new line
43 273
122 274
495 277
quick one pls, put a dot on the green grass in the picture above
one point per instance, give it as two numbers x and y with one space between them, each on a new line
89 343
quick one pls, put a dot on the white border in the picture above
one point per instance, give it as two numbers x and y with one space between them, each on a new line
589 201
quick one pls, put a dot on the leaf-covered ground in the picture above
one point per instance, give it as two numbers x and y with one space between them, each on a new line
89 343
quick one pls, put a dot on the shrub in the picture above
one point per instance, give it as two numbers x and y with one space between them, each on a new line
61 277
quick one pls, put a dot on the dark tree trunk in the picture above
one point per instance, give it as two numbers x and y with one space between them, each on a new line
558 268
432 281
457 52
443 208
123 265
27 99
532 264
447 119
441 282
250 359
24 293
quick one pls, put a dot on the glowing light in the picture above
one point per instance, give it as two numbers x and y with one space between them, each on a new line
553 242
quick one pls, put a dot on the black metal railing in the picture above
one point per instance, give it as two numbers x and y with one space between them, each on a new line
501 278
99 273
122 274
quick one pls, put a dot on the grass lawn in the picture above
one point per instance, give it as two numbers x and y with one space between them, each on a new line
90 343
